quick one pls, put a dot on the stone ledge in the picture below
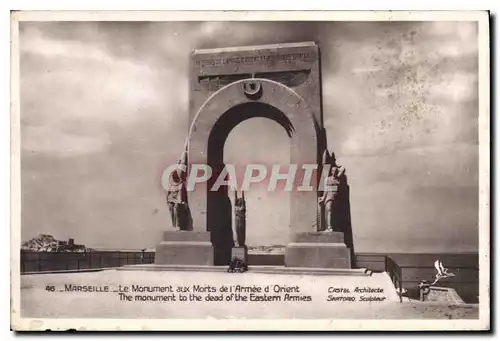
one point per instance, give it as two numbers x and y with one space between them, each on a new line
280 270
186 236
184 243
318 245
320 237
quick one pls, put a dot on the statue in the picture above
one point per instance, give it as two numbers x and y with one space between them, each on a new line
237 265
240 218
177 196
334 181
239 253
425 286
442 272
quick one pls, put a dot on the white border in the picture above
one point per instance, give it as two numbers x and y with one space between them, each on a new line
250 16
138 324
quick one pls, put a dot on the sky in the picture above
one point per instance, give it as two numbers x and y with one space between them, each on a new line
104 108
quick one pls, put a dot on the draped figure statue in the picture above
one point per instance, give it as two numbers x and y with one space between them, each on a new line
332 186
240 218
177 196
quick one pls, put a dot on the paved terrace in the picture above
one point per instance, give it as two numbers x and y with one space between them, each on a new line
38 302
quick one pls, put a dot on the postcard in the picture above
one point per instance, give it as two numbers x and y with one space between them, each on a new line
250 170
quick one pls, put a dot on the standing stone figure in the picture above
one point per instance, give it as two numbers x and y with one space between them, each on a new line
336 176
177 196
240 218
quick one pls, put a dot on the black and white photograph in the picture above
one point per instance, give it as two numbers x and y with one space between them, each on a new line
250 170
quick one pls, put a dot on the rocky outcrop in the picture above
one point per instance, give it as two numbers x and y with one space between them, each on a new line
47 243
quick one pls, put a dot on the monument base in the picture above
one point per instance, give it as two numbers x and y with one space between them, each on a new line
318 250
240 252
185 248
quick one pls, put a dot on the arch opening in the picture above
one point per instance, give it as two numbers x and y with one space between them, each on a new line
208 132
220 206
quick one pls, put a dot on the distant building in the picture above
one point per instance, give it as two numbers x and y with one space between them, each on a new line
47 243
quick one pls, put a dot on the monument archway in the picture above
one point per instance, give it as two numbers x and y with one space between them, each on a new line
214 121
281 82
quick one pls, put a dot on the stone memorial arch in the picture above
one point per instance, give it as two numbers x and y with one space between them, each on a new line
228 86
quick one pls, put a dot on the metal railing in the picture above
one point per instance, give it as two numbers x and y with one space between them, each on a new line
406 278
32 262
395 273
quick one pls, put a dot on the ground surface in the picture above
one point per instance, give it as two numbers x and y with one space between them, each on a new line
38 301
